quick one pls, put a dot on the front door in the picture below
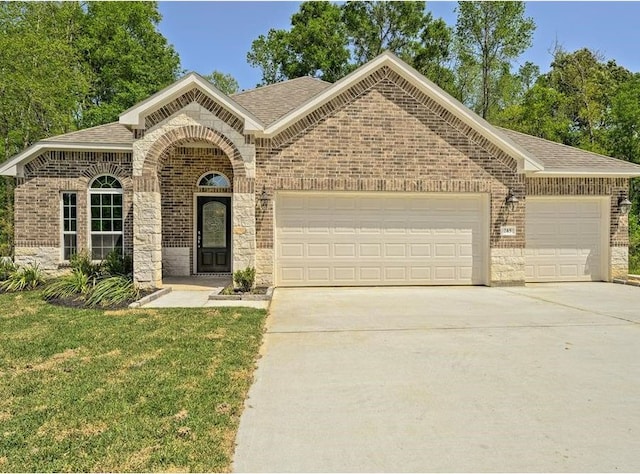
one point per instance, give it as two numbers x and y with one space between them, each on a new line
214 234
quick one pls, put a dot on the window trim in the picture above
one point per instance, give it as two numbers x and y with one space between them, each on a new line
62 222
98 191
213 187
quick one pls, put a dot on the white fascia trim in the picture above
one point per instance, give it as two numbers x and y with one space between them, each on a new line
584 174
134 117
13 167
525 160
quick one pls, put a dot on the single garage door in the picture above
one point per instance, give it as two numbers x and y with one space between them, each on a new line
565 239
358 239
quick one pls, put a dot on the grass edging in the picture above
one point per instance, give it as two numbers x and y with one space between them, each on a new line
149 298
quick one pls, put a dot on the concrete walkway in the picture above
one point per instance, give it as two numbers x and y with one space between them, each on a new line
194 292
542 378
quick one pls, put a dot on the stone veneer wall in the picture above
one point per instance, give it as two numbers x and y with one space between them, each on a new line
382 135
37 202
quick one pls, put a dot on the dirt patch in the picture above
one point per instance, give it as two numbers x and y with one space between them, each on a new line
85 430
219 333
181 415
5 416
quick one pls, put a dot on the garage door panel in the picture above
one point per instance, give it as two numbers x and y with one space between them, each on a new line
380 240
564 239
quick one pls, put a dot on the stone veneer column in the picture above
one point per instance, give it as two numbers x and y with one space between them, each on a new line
507 267
244 230
147 236
619 262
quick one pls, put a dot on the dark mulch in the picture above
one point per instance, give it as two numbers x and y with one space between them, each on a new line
259 290
80 303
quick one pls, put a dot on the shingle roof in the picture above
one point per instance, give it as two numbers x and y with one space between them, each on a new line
558 158
271 102
111 133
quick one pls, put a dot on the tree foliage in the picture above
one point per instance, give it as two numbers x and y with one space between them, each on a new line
65 65
489 36
226 83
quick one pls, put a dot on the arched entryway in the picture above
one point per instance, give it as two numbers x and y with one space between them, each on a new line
184 225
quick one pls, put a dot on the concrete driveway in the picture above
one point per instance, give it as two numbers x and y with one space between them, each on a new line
542 378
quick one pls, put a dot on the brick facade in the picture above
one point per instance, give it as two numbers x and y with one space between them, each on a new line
382 134
37 199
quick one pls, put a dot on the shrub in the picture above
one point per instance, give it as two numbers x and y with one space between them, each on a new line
69 286
245 278
117 264
28 277
112 291
7 267
81 262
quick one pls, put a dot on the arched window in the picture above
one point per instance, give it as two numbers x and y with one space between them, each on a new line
214 179
105 198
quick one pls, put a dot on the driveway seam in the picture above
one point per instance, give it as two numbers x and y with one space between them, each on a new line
569 306
442 328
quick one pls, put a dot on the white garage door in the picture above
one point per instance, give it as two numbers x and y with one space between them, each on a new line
357 239
564 239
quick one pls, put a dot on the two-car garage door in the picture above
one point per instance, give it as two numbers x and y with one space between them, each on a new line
362 239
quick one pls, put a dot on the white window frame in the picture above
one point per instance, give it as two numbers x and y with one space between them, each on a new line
63 232
99 191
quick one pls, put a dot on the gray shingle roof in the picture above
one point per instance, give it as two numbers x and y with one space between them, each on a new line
111 133
271 102
558 158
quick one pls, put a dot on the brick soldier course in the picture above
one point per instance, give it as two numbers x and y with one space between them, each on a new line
384 128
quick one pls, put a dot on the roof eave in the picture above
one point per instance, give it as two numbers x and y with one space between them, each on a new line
584 174
134 116
13 167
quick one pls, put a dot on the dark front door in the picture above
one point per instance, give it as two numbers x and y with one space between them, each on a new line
214 234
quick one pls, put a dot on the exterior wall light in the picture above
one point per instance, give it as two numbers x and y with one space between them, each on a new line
624 204
511 201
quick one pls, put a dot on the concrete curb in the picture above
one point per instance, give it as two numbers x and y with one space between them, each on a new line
266 297
149 298
626 282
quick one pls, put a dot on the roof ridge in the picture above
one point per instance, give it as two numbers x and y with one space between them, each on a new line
279 83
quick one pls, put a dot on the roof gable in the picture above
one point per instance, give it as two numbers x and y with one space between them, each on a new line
135 116
526 161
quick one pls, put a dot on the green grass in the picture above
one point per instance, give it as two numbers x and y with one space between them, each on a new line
127 390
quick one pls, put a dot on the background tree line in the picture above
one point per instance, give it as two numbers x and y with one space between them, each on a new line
71 65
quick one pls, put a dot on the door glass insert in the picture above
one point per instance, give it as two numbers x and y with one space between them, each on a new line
214 225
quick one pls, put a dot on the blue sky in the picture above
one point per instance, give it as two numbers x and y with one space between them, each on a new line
218 35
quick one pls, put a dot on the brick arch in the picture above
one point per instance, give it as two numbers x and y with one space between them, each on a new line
107 168
181 135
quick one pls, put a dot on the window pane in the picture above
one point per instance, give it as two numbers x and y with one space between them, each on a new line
117 212
95 199
117 225
117 199
69 246
106 199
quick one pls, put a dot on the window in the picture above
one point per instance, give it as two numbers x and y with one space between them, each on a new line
105 197
214 180
69 225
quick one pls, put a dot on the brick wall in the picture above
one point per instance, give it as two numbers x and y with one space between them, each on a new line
178 183
385 139
37 195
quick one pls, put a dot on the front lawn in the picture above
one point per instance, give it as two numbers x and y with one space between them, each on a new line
127 390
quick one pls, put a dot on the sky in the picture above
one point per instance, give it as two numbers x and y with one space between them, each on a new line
212 35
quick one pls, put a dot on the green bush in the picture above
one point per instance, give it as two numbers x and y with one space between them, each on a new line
245 278
112 291
28 277
7 267
81 262
69 286
116 264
